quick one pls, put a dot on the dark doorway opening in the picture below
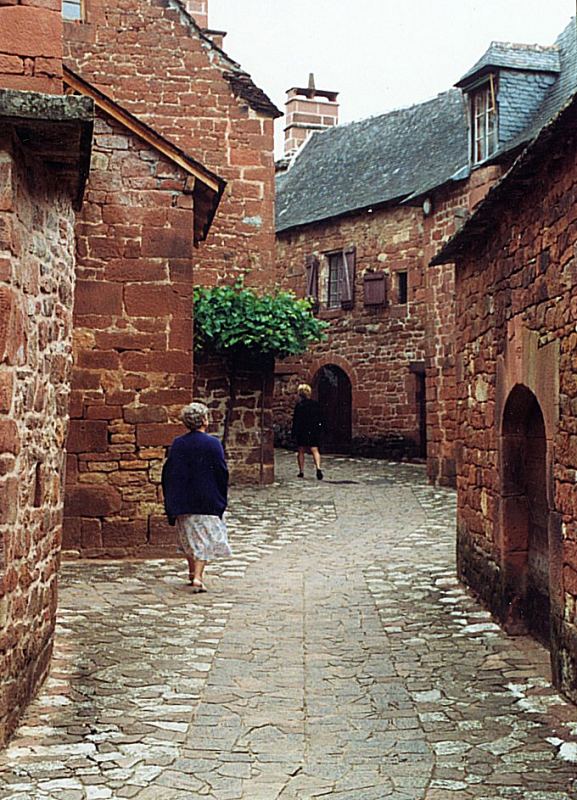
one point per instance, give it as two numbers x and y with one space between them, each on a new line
418 370
525 516
332 388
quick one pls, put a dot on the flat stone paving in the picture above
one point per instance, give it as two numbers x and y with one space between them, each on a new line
335 656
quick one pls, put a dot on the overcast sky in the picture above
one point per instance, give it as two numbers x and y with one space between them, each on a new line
378 54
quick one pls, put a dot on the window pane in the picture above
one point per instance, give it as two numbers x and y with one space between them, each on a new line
335 280
72 9
484 124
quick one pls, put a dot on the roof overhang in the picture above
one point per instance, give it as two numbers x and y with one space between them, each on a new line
206 187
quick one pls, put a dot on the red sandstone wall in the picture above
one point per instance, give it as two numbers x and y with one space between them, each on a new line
36 288
515 323
451 206
374 346
31 45
152 61
132 345
249 446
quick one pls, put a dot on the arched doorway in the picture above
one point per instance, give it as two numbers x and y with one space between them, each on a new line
332 388
525 514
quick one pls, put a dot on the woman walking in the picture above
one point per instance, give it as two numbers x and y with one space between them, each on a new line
306 429
195 487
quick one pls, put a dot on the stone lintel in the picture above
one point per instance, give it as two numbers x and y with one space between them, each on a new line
56 129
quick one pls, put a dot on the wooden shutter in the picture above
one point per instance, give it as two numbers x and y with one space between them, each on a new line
348 282
312 271
375 288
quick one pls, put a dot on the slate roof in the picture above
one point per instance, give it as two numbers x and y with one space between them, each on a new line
525 57
377 160
404 154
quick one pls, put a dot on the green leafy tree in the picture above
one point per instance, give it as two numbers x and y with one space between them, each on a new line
237 322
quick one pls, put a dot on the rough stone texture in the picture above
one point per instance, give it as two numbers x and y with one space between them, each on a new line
373 345
192 93
335 655
132 343
36 291
516 341
31 45
451 207
181 87
381 348
249 445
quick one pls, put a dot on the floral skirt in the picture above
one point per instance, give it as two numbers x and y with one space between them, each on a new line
202 536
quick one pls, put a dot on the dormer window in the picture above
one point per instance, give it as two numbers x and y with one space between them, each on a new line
484 121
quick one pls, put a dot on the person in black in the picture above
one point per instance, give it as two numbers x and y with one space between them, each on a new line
306 429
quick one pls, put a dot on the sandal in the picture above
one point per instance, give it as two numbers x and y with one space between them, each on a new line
198 586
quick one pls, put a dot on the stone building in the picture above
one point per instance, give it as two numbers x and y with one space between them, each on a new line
180 127
362 208
516 307
44 157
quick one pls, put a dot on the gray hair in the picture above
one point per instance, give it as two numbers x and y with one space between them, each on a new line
194 415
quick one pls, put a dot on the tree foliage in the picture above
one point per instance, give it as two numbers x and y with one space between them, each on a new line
234 319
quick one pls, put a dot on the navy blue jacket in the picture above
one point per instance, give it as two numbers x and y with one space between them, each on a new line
195 476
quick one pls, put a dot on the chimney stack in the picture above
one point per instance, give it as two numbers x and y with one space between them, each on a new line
199 10
308 109
31 46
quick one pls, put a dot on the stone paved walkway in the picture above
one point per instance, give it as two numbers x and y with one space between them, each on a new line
335 656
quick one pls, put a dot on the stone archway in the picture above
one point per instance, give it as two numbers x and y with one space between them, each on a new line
333 390
525 516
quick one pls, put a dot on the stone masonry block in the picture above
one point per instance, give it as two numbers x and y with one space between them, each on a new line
97 298
92 501
28 31
9 437
87 436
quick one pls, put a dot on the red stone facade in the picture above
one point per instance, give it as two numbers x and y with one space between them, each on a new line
132 344
398 356
451 206
379 347
171 76
133 347
517 400
36 289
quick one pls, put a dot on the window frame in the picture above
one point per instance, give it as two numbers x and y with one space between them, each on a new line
483 120
81 10
335 269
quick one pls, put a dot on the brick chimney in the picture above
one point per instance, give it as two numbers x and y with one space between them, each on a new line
31 45
308 110
197 9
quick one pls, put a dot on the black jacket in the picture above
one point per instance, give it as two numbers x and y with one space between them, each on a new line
195 476
307 423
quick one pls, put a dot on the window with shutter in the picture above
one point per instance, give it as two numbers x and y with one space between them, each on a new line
374 288
348 281
335 279
312 273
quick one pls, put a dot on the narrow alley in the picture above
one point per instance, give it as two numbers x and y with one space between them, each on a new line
335 655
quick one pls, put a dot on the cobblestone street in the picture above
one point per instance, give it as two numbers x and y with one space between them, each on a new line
335 656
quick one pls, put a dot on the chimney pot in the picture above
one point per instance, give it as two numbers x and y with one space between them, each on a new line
308 109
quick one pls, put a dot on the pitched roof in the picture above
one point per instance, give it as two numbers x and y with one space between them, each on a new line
375 161
208 187
241 82
404 154
506 55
